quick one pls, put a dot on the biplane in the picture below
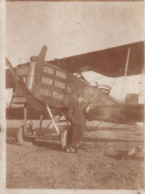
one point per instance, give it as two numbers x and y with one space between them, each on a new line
50 87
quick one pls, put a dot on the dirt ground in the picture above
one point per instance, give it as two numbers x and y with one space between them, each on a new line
108 158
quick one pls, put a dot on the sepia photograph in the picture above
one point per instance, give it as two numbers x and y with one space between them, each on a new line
75 94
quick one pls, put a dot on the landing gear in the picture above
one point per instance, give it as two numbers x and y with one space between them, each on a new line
27 134
20 136
65 135
63 138
66 138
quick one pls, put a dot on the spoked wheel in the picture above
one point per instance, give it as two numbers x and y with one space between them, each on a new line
24 139
65 138
20 136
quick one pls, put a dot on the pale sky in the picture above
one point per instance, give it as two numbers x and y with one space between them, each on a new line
70 28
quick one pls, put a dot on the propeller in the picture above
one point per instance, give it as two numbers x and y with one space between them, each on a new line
32 101
9 65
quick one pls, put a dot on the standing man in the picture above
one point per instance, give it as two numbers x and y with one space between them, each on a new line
77 119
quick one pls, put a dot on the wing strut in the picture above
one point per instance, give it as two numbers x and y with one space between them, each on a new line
125 73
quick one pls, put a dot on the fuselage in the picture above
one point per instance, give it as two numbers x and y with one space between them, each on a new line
42 83
58 88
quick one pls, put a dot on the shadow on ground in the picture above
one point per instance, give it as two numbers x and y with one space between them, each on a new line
89 139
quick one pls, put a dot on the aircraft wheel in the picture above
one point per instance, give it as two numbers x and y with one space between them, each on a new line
20 135
21 138
63 138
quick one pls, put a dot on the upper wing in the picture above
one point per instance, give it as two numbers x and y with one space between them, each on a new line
109 62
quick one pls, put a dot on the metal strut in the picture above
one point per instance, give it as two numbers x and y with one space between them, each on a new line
56 121
25 120
52 119
125 73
